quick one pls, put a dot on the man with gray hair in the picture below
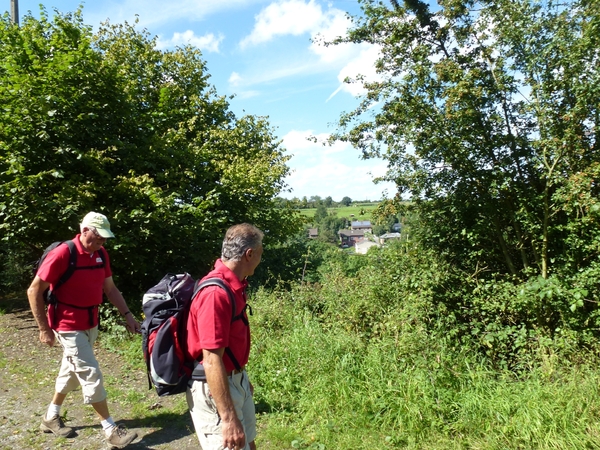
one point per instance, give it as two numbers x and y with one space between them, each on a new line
221 400
72 319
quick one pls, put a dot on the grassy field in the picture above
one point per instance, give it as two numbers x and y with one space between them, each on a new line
351 212
319 387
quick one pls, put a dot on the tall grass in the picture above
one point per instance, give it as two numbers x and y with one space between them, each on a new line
322 384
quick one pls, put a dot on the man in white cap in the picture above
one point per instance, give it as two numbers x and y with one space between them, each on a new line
72 319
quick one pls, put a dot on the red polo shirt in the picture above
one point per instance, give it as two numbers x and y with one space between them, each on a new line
209 323
84 288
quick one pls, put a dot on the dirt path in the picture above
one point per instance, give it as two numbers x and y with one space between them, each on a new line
27 373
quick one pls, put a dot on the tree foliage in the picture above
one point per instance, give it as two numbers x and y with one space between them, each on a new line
329 227
105 121
320 213
487 113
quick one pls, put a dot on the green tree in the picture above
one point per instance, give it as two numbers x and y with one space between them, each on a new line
320 213
329 227
378 230
484 111
346 201
315 201
104 121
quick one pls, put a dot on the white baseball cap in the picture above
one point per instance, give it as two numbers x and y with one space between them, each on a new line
99 222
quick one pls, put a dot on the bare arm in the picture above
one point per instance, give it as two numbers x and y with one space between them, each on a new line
36 301
116 298
216 377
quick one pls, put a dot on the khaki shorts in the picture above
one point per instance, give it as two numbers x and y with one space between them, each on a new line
79 366
206 418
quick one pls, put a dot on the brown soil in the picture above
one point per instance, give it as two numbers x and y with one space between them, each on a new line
27 373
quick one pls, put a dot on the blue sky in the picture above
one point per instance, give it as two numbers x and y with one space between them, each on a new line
263 53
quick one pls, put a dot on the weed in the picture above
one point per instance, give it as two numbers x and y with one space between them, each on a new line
362 371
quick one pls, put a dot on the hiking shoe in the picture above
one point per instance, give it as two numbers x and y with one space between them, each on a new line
56 426
120 437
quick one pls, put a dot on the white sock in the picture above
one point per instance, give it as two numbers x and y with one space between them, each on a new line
107 425
53 410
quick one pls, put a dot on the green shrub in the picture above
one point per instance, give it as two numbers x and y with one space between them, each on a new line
357 364
17 267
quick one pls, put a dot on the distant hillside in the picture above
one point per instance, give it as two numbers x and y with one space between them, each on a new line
358 211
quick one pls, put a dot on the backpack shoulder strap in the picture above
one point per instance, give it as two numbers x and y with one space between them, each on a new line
102 255
72 264
218 282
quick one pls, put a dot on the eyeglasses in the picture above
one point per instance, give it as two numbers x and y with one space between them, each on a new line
93 230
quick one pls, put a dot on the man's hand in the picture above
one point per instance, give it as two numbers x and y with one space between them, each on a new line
234 437
47 337
36 301
116 298
132 325
233 434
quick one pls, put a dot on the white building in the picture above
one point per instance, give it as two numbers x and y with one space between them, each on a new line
363 247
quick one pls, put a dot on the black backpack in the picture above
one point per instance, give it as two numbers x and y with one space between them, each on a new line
166 307
49 297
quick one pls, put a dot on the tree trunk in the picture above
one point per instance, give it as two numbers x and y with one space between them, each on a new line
504 247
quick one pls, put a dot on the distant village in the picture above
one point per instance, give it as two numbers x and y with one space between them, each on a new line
360 236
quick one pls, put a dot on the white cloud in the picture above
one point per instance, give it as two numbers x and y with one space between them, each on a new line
296 141
363 64
209 42
235 79
236 83
335 171
334 25
302 144
293 17
296 17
